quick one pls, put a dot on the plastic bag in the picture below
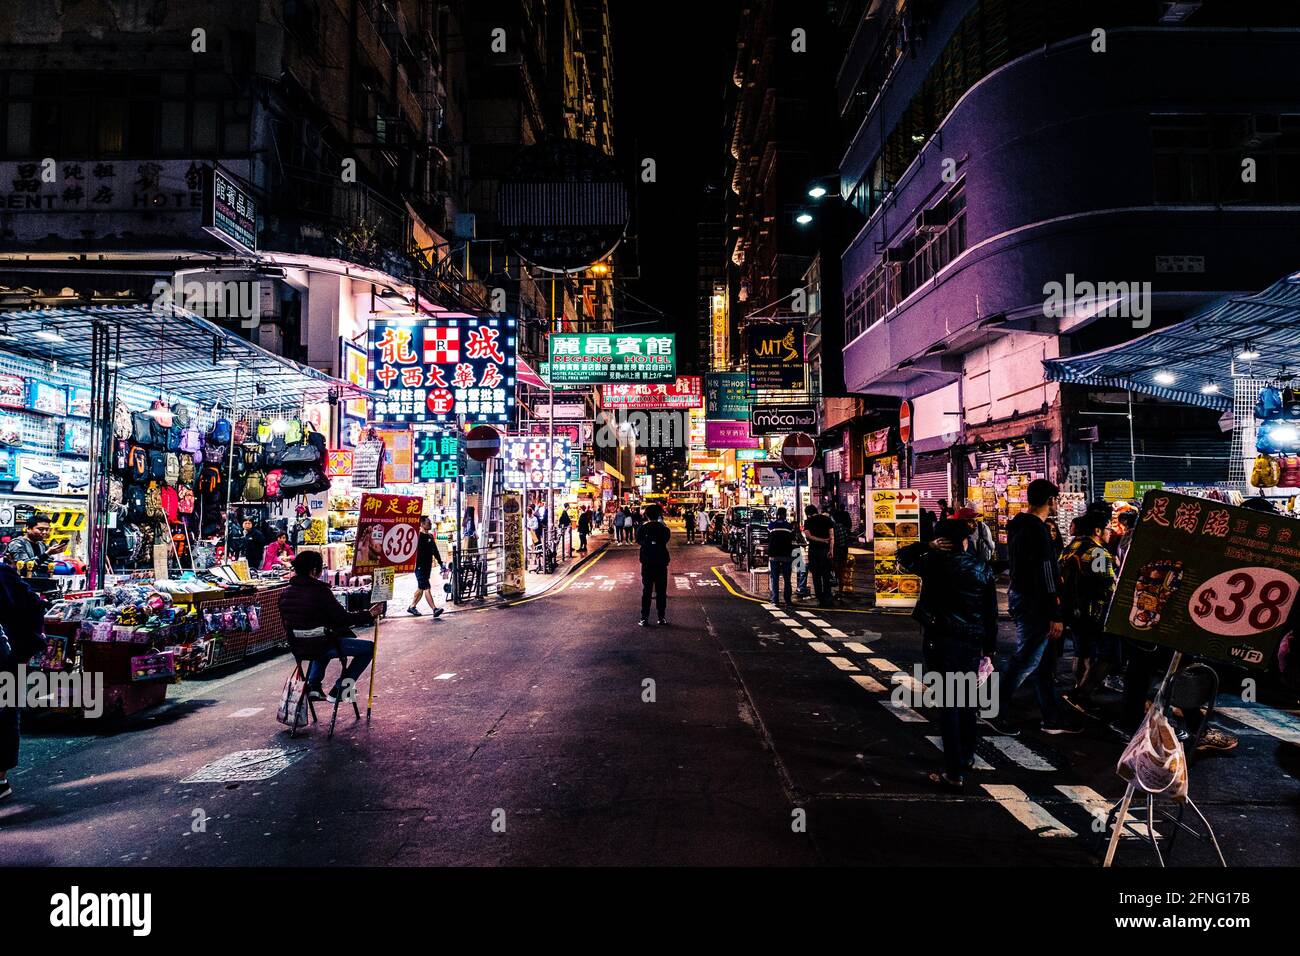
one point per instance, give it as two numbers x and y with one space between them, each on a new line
293 710
1154 759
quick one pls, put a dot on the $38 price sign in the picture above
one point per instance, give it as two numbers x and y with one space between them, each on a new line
1244 601
388 533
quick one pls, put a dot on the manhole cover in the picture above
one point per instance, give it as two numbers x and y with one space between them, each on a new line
246 765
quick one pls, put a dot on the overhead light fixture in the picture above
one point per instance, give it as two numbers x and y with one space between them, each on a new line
817 192
803 218
48 333
1165 378
228 361
1248 354
1210 388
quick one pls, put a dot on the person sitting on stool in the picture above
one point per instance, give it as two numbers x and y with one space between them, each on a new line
308 603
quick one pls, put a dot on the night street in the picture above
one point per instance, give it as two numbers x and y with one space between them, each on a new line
537 710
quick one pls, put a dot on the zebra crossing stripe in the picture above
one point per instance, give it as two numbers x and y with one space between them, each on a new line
843 663
1099 808
880 664
1026 811
808 614
857 648
803 632
1018 753
980 762
818 622
904 713
1275 723
821 648
836 632
869 683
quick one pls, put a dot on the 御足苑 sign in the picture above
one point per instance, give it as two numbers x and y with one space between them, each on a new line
596 358
774 355
1208 579
229 211
442 369
534 462
437 455
728 435
686 392
782 419
726 397
895 523
367 464
387 533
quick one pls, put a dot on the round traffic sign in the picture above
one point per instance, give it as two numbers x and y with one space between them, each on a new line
483 442
905 422
798 450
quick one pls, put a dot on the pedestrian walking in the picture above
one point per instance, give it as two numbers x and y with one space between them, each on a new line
688 519
843 534
780 555
620 519
426 552
980 537
1087 583
958 613
566 526
653 537
22 636
702 523
819 529
1035 605
584 529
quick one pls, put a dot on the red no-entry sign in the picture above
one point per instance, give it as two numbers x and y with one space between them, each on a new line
905 422
483 442
798 450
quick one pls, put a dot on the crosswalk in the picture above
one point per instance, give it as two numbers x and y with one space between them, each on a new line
1039 809
628 580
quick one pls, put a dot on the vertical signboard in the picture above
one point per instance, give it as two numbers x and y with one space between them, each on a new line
229 212
387 533
512 515
774 356
896 523
726 397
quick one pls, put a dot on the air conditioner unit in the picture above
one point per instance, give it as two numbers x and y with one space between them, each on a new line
933 219
897 254
1038 437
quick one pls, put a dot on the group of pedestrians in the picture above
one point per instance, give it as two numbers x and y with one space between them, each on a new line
627 521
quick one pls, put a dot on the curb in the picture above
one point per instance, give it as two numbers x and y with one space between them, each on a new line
557 580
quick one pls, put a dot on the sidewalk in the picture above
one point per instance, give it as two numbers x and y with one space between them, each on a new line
534 584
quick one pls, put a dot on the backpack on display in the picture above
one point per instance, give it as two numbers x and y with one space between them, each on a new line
251 455
157 465
152 501
191 439
264 431
292 431
273 482
137 463
274 451
169 502
116 493
181 414
135 501
141 429
172 469
160 432
174 436
216 454
239 434
1269 404
1291 402
317 441
1276 437
1264 474
121 420
184 500
254 487
221 433
210 480
1289 473
187 469
121 455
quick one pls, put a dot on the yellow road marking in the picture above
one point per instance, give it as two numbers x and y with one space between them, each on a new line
717 572
564 584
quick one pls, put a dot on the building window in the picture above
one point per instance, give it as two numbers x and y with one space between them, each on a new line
1199 158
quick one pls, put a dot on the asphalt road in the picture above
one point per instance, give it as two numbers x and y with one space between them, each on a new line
557 732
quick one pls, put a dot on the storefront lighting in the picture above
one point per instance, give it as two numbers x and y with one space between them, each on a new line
1248 354
803 218
817 192
1210 388
47 333
1165 378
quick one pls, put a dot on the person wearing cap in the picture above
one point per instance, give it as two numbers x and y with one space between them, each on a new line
980 537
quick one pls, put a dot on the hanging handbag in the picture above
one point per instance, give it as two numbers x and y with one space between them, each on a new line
299 482
300 455
142 429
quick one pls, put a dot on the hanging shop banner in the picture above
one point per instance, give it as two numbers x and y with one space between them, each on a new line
441 369
697 431
896 523
686 392
399 455
387 532
782 419
728 435
229 212
726 397
1208 579
774 355
877 442
597 358
577 434
512 514
437 455
569 410
353 363
534 463
367 464
338 463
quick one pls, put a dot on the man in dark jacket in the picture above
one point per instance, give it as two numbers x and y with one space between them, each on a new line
780 556
22 615
308 603
652 535
958 613
584 529
1035 605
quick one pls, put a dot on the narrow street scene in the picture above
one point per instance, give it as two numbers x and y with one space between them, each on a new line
446 439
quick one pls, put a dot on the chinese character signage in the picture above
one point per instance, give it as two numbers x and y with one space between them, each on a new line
437 455
437 369
1208 579
229 212
895 523
596 358
352 360
532 462
686 392
774 355
726 397
398 459
387 533
728 435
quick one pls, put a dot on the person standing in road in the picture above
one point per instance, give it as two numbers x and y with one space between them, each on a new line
688 519
819 529
584 529
653 537
1035 605
620 524
780 552
843 532
23 636
702 525
980 537
426 552
1087 583
958 614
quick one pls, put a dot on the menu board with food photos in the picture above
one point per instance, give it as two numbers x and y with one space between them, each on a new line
895 523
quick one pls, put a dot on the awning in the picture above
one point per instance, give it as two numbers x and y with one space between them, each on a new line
524 373
174 350
1198 356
